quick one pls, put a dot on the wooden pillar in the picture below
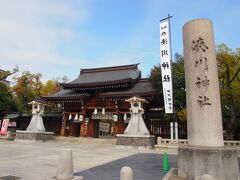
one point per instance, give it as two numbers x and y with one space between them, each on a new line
90 128
64 124
71 127
96 128
82 127
115 127
120 126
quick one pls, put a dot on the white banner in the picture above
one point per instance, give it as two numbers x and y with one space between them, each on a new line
165 56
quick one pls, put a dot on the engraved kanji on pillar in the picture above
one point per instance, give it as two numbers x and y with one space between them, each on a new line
201 64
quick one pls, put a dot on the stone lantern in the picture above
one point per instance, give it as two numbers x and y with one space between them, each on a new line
36 124
136 134
37 107
35 130
136 124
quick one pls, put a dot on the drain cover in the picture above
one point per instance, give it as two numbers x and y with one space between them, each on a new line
9 177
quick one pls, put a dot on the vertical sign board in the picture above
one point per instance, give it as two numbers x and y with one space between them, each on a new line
165 56
4 126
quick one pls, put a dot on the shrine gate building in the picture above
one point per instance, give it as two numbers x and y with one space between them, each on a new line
94 103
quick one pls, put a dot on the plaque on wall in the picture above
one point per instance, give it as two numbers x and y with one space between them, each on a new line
99 115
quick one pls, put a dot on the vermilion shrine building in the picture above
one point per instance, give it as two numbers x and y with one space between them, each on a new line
94 103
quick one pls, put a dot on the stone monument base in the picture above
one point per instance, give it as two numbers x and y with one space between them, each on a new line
221 163
136 141
34 136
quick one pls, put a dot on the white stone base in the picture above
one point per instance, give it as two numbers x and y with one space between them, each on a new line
221 163
135 141
33 136
137 136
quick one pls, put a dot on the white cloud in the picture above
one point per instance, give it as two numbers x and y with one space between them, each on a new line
31 31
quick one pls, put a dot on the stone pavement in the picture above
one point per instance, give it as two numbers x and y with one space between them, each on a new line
38 161
145 166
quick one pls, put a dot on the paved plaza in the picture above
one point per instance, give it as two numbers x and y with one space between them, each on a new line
92 158
145 166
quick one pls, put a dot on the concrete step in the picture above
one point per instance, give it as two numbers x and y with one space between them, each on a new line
85 140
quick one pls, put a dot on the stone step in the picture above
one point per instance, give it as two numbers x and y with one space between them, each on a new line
86 140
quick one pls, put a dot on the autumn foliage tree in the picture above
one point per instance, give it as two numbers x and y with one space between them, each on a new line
29 86
50 87
229 77
26 88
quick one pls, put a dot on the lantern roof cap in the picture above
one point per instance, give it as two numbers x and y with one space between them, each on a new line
38 102
135 99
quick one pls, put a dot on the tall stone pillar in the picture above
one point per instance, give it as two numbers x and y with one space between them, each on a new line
202 86
205 153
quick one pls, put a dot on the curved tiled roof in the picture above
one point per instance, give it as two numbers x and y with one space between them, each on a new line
108 82
142 87
105 76
65 95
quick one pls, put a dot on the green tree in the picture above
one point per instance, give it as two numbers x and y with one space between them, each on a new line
6 102
229 78
179 94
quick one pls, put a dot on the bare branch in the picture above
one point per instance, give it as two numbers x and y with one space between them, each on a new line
5 74
235 75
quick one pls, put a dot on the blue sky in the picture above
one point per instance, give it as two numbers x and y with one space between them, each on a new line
58 38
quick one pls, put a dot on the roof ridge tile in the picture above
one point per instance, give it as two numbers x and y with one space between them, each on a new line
110 68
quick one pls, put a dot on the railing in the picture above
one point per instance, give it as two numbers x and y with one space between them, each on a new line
175 143
232 143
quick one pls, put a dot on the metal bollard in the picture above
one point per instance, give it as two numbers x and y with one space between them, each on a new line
65 165
126 173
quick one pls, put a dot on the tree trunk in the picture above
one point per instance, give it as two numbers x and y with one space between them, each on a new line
230 128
